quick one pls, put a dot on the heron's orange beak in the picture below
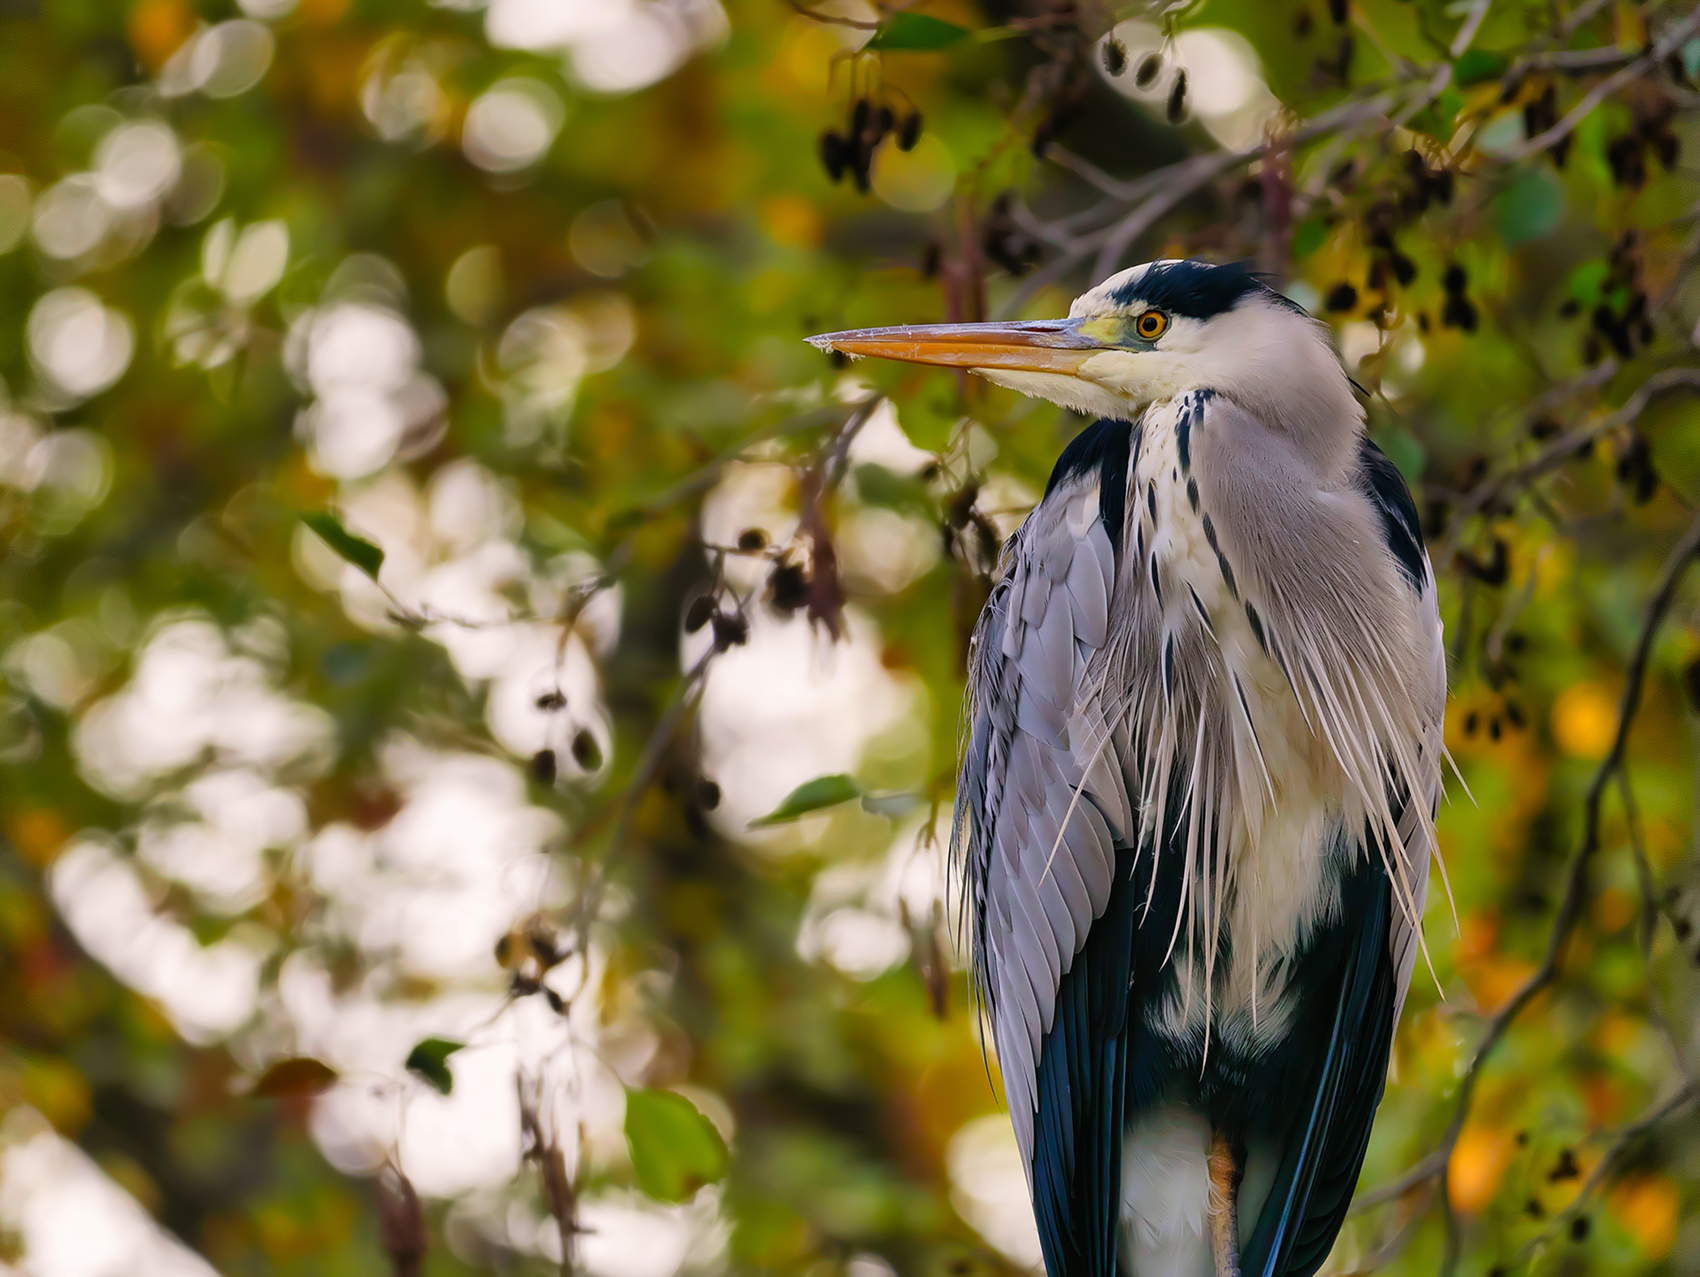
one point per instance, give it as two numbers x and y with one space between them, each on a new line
1049 345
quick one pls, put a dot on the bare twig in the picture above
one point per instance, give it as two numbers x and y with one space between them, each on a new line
1159 192
1609 1160
1565 447
648 764
1421 1173
1671 40
401 1222
829 469
1575 60
1580 14
1649 923
1472 24
1576 886
1649 913
1179 181
560 1189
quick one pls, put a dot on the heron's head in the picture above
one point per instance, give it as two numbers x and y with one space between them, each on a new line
1146 335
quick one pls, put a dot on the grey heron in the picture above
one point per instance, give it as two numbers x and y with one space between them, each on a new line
1202 763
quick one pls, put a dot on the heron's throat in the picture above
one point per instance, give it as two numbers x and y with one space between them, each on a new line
1078 393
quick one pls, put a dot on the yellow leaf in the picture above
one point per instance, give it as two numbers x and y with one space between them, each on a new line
37 833
791 219
1584 720
1649 1207
1478 1164
157 27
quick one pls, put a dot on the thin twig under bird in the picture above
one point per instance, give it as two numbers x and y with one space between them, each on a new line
1203 743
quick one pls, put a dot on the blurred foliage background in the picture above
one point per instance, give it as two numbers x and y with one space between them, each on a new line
431 552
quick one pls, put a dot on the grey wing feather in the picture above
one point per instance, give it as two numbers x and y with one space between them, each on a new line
1037 851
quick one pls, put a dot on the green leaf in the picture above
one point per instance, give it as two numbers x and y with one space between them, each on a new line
1586 281
430 1061
1528 209
1477 65
1404 450
929 419
811 795
675 1149
1439 119
1309 237
350 548
877 486
916 33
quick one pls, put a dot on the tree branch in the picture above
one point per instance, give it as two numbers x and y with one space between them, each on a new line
1565 447
1576 887
1672 39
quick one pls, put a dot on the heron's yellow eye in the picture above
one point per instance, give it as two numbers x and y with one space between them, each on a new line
1151 325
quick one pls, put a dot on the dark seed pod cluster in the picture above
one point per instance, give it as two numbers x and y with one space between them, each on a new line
1388 260
1539 116
543 766
1622 329
1459 311
1338 68
699 613
1063 109
1627 155
1342 297
730 630
587 753
787 587
1427 185
909 132
1490 571
834 154
852 151
1177 98
1635 468
1004 242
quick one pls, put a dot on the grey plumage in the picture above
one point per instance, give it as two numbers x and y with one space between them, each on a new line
1210 675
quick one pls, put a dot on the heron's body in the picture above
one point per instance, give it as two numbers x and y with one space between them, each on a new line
1197 794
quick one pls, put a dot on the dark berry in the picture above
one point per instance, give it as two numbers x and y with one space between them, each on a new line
1177 98
699 614
543 766
586 752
